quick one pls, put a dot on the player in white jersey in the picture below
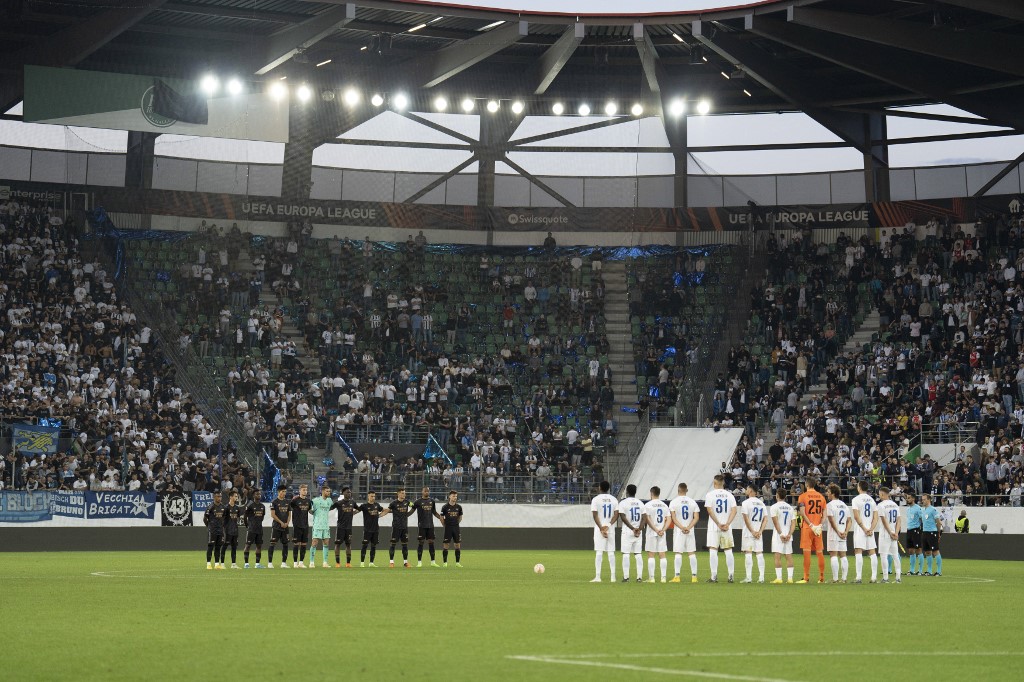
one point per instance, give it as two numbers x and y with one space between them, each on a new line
721 509
631 513
755 518
656 518
865 517
889 535
684 513
839 520
604 509
784 520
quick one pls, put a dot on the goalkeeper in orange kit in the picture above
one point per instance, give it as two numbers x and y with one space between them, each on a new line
811 506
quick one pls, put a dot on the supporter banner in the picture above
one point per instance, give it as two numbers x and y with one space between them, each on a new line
25 507
201 500
67 503
34 439
176 510
94 99
120 505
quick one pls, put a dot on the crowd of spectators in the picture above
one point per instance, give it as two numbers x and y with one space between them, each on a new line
73 353
945 364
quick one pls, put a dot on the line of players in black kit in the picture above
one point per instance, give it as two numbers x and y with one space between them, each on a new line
223 521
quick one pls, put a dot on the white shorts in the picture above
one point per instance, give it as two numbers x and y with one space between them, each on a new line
886 545
719 539
656 543
748 543
862 541
684 543
780 547
837 544
604 544
631 544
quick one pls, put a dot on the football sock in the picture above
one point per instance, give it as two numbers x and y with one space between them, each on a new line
844 564
391 553
324 551
302 553
295 553
639 565
625 566
337 554
886 566
821 566
362 553
245 555
405 553
419 552
748 563
348 555
458 555
678 564
789 573
760 566
938 563
730 562
373 554
858 563
611 564
663 564
444 555
874 567
807 565
270 555
835 568
430 548
714 563
928 560
258 555
693 564
650 568
218 551
209 552
284 551
778 574
898 565
913 562
597 564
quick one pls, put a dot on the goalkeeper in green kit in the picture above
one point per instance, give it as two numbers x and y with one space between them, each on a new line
321 510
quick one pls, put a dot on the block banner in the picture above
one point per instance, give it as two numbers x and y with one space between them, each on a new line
67 503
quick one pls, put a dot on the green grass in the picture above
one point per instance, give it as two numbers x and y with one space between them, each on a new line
163 616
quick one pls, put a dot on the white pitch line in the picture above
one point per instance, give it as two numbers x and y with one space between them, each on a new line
725 654
647 669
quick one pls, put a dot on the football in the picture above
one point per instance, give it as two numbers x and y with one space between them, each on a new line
539 568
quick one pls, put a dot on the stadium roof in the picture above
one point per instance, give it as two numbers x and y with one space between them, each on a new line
824 57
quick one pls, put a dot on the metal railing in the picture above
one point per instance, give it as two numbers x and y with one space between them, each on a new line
473 486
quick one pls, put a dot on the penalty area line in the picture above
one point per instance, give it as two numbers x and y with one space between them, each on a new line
729 654
646 669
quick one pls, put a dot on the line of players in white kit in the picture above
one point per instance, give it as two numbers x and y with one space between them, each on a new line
649 522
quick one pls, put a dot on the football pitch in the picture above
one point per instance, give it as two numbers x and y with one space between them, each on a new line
163 616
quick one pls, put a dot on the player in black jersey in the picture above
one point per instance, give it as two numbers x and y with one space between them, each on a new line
452 515
300 526
232 515
214 520
401 509
426 511
371 527
280 512
254 514
347 508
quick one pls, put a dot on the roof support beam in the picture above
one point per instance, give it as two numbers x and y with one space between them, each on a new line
891 65
1006 170
540 183
648 56
996 51
557 56
440 181
283 45
1000 8
785 84
457 58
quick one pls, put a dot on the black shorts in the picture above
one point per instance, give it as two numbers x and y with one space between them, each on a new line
400 535
279 534
424 533
371 537
344 536
254 537
231 538
930 541
453 534
914 538
300 534
216 536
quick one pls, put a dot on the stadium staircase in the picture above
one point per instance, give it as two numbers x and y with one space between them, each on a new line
864 334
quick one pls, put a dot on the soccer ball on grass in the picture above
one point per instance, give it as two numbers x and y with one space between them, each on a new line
538 569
